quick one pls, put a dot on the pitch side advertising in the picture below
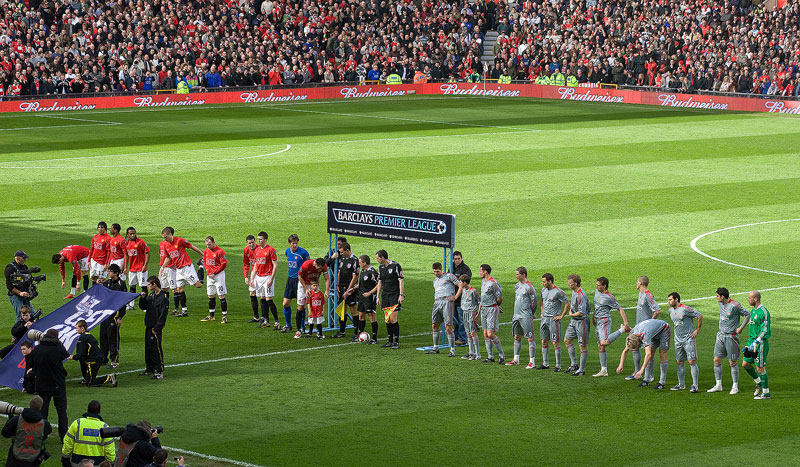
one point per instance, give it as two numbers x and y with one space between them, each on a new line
398 225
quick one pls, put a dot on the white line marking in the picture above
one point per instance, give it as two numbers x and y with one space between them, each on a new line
210 457
76 119
56 126
693 244
396 118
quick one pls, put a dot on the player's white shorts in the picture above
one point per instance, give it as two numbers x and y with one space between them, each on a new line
186 276
167 278
138 278
119 262
301 294
216 285
83 264
250 288
97 270
262 291
318 320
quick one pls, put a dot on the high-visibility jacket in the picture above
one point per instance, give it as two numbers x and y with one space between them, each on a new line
540 80
183 87
504 79
572 81
420 78
394 78
83 441
558 79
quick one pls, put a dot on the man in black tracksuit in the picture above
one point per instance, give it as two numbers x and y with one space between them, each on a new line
90 356
47 361
156 308
109 328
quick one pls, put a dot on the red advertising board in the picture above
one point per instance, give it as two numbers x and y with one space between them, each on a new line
616 96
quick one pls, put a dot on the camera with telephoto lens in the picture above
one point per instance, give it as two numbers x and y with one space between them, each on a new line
116 431
10 409
27 280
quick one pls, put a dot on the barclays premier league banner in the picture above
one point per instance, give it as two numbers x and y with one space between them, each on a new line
92 306
398 225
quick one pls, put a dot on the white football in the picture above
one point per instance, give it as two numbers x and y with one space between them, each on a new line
363 337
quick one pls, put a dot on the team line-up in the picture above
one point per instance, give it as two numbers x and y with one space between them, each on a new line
363 290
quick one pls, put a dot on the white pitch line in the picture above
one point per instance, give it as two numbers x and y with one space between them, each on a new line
76 119
693 244
212 458
56 126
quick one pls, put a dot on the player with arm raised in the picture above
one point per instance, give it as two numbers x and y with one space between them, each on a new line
215 262
263 279
604 302
98 253
554 307
491 299
177 258
248 261
727 343
578 327
118 251
444 296
758 343
78 256
295 257
646 308
652 333
524 313
682 317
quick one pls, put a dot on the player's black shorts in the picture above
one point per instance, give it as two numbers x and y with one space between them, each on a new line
290 291
366 304
391 299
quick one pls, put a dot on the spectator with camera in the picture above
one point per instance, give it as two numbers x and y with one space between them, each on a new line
83 440
18 294
138 443
47 362
29 430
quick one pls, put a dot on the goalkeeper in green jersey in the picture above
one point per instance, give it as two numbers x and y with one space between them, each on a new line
755 354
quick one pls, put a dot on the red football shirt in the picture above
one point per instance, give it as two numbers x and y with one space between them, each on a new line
308 271
98 250
316 301
248 260
73 254
264 258
177 252
214 260
136 252
162 253
117 247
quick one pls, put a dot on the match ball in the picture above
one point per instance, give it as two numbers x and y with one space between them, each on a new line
363 337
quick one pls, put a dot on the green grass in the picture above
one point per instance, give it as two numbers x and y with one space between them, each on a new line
558 187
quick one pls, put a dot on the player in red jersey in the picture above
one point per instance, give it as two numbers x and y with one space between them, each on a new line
118 253
316 305
78 255
98 252
263 279
214 262
248 261
138 258
177 258
166 274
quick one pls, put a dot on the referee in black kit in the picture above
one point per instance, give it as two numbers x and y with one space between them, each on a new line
390 293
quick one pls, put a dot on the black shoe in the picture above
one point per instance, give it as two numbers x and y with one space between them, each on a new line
502 361
395 346
373 341
254 320
146 373
432 351
182 314
387 345
354 339
557 369
286 329
543 367
658 386
489 360
158 376
570 369
578 373
644 384
338 335
308 336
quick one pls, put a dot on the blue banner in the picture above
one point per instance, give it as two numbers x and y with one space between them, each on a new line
92 306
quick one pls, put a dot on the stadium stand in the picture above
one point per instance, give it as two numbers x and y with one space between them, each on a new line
90 46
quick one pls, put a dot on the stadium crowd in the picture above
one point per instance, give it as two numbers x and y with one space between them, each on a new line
72 46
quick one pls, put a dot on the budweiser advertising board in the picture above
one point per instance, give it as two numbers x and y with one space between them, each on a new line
614 96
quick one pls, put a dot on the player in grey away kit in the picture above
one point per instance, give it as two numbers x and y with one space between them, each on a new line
469 310
604 302
524 314
685 345
727 344
550 328
652 333
646 308
578 327
491 299
444 294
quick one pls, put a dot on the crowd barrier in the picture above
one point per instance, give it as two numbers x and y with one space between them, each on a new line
616 96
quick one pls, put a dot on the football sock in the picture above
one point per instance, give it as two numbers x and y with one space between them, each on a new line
435 339
176 299
72 290
545 356
476 347
396 332
319 328
735 374
499 346
614 335
375 330
662 378
224 304
637 360
273 309
572 357
132 289
85 283
287 315
681 375
343 324
264 309
469 343
451 340
764 382
532 351
558 357
489 352
695 373
183 300
254 304
648 372
603 359
718 374
300 318
362 323
517 349
753 374
212 305
584 355
74 281
390 331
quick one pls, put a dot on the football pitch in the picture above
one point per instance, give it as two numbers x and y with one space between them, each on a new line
561 187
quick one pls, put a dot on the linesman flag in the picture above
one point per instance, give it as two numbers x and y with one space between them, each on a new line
340 310
388 311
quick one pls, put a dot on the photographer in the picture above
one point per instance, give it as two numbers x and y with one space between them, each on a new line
18 330
18 296
29 430
138 443
160 459
47 361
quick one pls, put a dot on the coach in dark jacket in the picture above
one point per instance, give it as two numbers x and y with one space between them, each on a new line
31 415
139 442
47 361
156 307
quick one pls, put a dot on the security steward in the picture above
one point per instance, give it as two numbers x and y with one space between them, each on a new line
558 78
572 81
83 440
29 430
394 78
